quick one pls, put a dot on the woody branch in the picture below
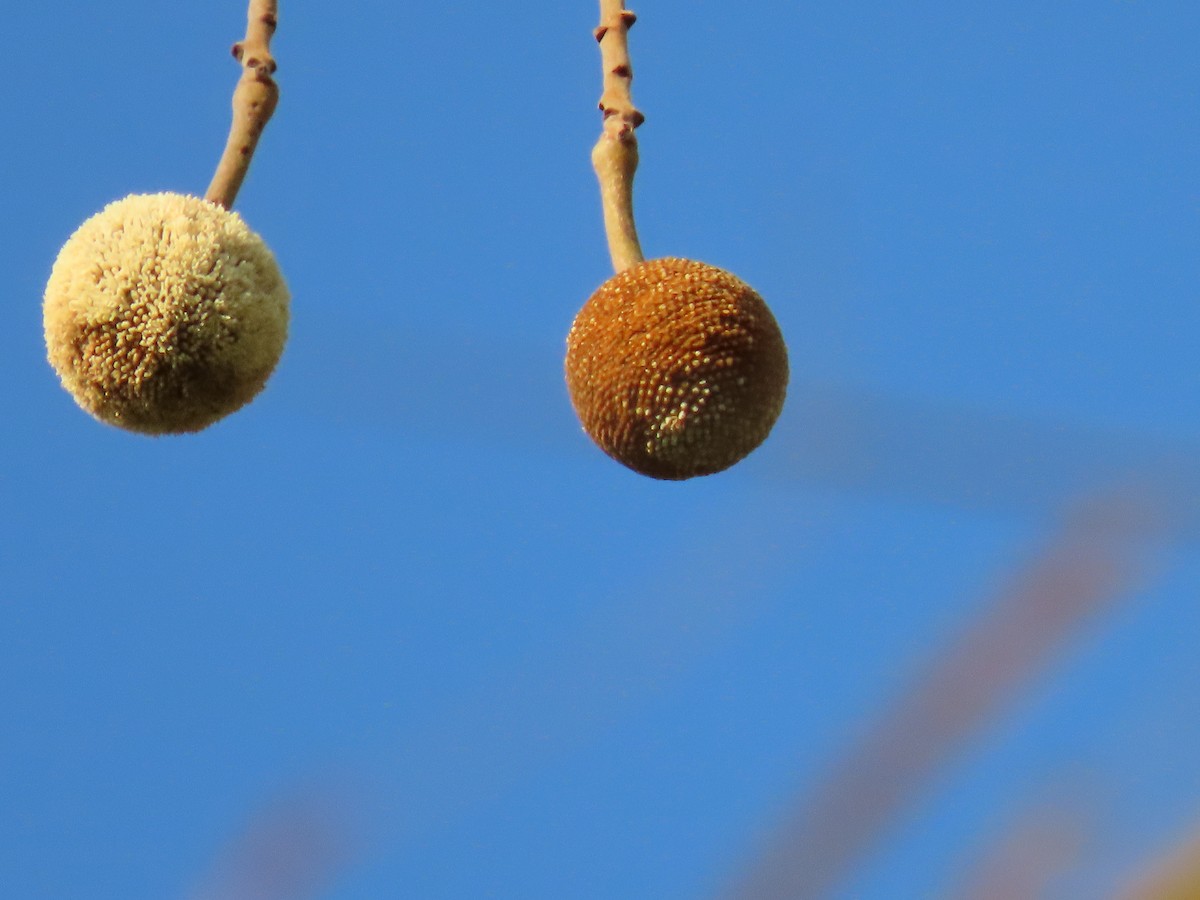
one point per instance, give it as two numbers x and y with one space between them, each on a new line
254 101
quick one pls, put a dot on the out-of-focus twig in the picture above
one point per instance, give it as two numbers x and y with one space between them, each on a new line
1022 865
1097 557
291 851
1173 877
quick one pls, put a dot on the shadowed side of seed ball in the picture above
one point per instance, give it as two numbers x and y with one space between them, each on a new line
164 313
676 368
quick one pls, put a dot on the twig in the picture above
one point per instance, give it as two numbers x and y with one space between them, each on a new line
254 101
293 849
1043 845
1172 877
615 156
1100 556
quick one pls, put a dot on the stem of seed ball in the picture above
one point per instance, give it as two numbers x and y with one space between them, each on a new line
615 156
254 101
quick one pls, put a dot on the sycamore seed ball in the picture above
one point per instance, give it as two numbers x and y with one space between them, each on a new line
676 368
164 313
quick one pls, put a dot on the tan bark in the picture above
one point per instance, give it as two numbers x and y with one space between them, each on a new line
615 156
254 101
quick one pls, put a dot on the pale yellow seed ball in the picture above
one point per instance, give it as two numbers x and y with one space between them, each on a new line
676 368
164 313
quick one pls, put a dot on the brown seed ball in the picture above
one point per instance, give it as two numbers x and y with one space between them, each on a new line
164 313
676 368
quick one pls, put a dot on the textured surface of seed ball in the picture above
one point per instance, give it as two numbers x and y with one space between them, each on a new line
676 368
164 313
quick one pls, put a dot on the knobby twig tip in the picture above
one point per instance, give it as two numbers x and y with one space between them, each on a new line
615 156
254 102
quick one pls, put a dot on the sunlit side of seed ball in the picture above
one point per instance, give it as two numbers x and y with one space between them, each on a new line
676 368
164 313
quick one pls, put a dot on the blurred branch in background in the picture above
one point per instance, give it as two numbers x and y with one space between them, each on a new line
1176 876
1039 847
849 437
873 441
1099 555
292 850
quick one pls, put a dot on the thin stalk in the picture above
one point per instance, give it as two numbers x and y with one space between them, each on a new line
615 156
254 101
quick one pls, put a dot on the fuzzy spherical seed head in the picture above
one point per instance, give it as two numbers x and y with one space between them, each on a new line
676 368
164 313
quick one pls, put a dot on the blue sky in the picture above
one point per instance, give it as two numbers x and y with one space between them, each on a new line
404 579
